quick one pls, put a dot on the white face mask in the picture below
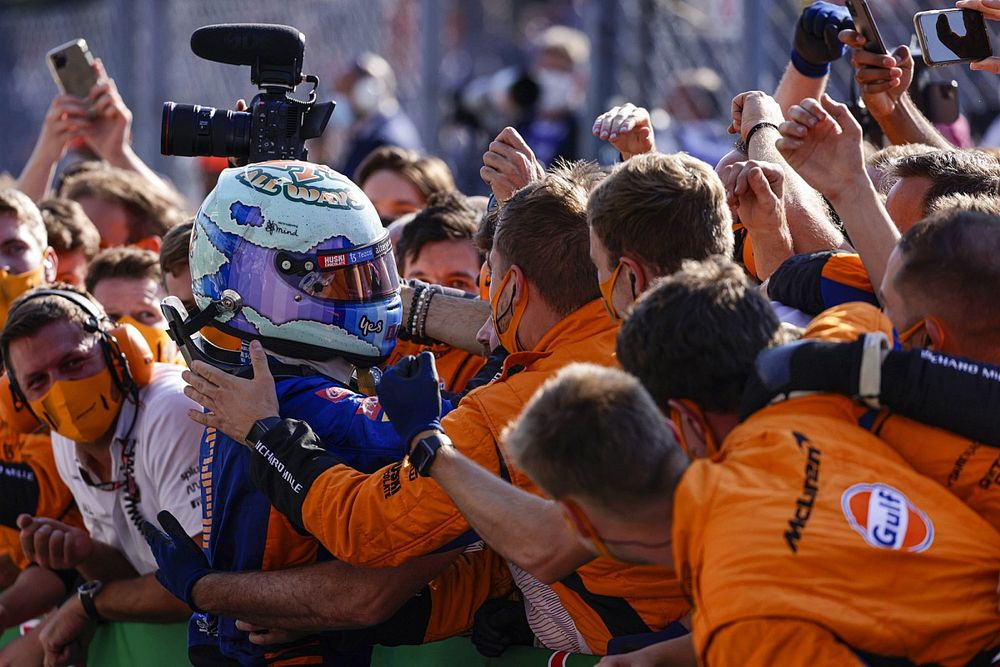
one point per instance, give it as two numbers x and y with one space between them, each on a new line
557 90
366 95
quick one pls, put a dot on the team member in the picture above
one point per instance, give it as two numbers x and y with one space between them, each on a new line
31 484
123 446
73 237
823 506
437 248
400 181
547 314
126 282
175 271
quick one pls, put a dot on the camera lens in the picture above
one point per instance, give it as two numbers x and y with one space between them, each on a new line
188 129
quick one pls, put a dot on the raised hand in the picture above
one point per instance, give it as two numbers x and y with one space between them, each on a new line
884 79
628 129
509 165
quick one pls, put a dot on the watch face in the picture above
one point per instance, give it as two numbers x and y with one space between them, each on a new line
89 587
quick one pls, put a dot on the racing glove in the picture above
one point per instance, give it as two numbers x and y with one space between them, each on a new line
499 624
850 369
410 394
816 43
181 561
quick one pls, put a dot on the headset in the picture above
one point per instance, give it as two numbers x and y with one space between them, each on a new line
126 353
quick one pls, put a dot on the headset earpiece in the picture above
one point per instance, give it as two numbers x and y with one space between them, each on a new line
127 343
14 411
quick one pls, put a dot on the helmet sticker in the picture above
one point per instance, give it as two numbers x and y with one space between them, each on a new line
308 329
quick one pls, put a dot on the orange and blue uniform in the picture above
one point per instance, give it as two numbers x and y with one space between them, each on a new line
387 518
817 281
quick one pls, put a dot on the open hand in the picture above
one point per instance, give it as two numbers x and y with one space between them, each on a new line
234 404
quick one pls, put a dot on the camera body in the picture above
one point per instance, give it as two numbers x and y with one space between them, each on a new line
275 126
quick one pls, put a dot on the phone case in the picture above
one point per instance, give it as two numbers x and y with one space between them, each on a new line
922 40
865 24
72 68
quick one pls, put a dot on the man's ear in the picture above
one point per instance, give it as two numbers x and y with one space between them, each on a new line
519 283
638 276
50 264
936 334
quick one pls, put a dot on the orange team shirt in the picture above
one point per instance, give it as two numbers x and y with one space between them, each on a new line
387 518
805 520
967 468
54 498
455 367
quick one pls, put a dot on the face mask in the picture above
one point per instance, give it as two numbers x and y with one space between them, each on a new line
365 96
81 410
556 90
164 349
508 335
14 285
607 293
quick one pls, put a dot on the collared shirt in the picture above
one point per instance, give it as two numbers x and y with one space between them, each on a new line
165 453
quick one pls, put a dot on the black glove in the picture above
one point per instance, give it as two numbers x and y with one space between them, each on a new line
410 393
812 365
816 43
499 624
181 561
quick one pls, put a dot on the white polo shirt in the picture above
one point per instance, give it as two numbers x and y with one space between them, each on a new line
165 456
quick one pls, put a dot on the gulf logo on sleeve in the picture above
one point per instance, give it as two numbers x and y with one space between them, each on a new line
886 518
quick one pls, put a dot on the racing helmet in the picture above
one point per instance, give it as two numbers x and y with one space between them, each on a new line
293 254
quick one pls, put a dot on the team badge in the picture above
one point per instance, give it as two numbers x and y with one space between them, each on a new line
886 518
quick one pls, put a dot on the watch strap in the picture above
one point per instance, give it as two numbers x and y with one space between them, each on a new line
425 451
86 593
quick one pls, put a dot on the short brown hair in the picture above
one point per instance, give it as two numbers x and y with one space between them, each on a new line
24 210
174 250
69 228
130 263
595 432
149 210
446 217
950 259
661 210
695 335
428 173
543 230
980 203
950 172
27 320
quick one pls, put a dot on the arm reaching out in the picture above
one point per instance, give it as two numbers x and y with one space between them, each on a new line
628 129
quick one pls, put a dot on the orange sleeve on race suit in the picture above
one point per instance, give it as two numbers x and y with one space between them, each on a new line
817 281
461 590
774 642
387 518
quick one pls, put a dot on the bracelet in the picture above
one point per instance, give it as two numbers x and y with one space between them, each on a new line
756 128
418 292
424 307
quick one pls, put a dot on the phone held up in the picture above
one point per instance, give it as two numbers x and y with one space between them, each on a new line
864 23
72 67
952 36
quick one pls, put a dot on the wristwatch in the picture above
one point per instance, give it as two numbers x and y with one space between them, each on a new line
87 592
425 451
260 429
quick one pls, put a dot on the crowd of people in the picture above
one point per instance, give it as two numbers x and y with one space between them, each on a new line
663 412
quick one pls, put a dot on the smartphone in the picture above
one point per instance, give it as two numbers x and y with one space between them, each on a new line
938 100
864 23
72 67
952 36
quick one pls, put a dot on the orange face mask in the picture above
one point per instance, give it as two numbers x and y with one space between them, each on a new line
16 284
511 315
164 349
685 416
484 282
607 293
81 410
221 339
910 334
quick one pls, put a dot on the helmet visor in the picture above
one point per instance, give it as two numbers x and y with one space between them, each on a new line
374 277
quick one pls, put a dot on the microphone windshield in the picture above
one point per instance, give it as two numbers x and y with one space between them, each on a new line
244 43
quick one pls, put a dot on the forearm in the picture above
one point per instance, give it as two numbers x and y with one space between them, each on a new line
808 219
456 321
795 87
315 598
141 599
36 591
127 159
36 177
872 231
525 529
107 564
907 125
771 247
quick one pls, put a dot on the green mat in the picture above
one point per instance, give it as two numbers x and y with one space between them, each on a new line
131 644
